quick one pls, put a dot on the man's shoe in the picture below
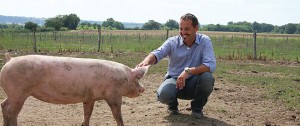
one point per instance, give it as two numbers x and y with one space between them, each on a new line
197 115
173 111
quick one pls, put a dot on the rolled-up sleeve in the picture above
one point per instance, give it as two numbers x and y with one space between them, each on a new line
162 51
209 59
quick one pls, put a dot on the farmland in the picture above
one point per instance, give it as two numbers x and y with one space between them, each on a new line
247 91
226 45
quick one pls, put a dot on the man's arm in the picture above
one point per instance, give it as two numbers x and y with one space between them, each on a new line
149 60
193 70
198 70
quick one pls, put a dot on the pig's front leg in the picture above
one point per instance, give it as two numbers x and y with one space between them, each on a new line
87 110
115 106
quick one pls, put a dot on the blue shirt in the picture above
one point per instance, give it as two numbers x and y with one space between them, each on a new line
181 56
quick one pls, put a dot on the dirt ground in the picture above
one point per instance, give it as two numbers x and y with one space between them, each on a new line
229 105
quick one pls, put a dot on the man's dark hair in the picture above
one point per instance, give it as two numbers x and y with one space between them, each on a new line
191 17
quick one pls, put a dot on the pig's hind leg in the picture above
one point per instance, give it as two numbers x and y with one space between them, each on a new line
11 107
4 112
87 110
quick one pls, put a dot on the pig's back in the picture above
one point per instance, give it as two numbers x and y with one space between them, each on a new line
62 79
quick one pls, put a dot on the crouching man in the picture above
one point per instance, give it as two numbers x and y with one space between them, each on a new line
191 63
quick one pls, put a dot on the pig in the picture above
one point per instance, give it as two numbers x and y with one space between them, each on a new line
67 80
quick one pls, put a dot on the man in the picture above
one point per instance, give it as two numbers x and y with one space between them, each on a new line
191 63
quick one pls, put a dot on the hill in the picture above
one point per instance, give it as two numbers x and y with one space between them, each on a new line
40 21
20 20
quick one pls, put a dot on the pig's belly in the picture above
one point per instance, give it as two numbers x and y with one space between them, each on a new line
59 97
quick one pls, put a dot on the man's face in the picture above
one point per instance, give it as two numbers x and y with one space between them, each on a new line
187 31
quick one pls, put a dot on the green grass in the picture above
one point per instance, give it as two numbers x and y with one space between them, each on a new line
280 82
229 46
268 48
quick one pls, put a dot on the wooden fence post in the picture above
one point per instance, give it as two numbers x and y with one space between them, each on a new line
254 46
34 41
139 38
167 34
99 37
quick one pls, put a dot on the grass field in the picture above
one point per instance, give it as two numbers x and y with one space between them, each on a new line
226 45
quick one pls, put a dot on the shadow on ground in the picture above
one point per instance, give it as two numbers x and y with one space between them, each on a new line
188 120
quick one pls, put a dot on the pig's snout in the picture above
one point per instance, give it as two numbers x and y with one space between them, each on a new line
142 89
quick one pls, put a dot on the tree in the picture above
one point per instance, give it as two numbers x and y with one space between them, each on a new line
3 26
256 27
290 28
279 29
172 24
210 27
108 22
55 22
30 25
151 25
298 28
111 23
118 25
230 23
266 27
71 21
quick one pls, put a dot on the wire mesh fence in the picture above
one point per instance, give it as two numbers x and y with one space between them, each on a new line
226 45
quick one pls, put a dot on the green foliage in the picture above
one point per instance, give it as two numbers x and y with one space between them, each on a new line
151 25
255 26
290 28
112 24
30 26
69 21
298 28
55 22
172 24
45 29
231 27
11 26
88 26
279 29
266 27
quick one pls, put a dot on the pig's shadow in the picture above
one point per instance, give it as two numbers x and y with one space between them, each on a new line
187 119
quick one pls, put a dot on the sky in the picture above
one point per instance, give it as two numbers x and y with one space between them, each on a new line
275 12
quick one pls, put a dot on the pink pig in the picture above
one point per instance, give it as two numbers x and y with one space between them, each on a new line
66 80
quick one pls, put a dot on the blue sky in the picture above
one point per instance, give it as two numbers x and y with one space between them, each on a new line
276 12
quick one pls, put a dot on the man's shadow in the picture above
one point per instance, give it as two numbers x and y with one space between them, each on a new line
188 120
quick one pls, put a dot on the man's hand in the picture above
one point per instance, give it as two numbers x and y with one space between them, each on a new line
142 64
181 80
149 60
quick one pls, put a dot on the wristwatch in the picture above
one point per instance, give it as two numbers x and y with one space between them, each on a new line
187 69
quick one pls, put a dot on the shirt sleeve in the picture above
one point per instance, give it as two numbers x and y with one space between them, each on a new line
209 59
162 51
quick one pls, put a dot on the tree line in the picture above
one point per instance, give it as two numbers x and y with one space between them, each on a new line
289 28
72 22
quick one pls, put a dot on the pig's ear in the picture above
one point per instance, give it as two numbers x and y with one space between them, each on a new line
139 72
7 57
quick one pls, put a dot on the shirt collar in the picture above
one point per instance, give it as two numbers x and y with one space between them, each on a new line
197 41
